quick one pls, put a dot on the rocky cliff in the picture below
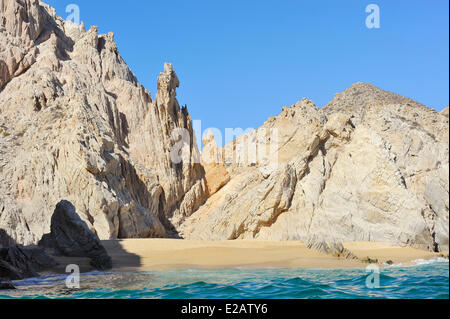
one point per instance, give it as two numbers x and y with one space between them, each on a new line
369 166
75 124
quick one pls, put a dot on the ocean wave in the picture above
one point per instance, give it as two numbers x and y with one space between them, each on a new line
419 262
426 279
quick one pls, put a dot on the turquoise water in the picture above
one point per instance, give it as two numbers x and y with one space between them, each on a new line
426 280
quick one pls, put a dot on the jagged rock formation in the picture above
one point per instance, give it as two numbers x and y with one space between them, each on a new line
330 247
18 262
71 237
77 124
369 166
215 172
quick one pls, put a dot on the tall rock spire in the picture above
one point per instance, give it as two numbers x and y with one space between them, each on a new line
80 127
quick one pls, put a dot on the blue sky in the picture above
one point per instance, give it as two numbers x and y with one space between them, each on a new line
240 61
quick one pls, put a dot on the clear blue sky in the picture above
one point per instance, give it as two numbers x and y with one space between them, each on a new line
240 61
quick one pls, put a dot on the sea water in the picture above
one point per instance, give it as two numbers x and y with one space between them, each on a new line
423 280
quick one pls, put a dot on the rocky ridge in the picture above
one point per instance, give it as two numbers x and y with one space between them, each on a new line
76 124
369 166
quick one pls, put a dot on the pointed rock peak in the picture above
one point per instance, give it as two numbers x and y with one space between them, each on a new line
110 36
362 95
445 112
363 86
210 153
89 38
168 68
305 103
301 108
168 81
208 138
361 89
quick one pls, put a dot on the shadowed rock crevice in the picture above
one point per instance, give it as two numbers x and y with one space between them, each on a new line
5 239
369 166
24 262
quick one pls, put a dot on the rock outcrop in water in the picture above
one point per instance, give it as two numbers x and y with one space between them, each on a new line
71 237
18 262
76 124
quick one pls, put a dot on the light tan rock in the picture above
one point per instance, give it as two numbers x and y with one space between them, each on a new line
370 166
329 246
80 127
212 160
21 24
76 125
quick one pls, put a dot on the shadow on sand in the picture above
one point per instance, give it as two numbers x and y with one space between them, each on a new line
122 260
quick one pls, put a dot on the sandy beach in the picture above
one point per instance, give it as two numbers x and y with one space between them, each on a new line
169 254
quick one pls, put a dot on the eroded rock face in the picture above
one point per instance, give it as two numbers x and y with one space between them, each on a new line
369 166
330 247
71 237
21 24
212 160
6 285
76 124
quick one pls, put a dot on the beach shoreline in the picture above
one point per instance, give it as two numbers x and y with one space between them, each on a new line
172 254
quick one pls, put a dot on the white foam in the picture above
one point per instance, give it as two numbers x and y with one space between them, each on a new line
419 262
52 278
430 261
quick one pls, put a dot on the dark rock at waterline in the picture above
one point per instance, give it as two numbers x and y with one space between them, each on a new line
18 262
8 271
31 259
6 285
71 237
